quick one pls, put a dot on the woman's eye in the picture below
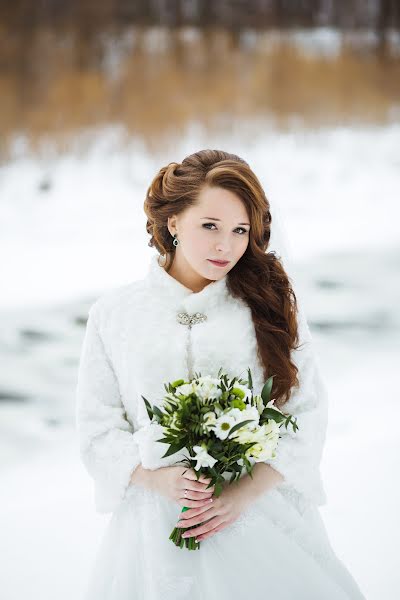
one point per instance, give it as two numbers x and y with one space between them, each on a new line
242 228
205 224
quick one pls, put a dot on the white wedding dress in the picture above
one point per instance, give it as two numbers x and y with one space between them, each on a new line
271 553
278 549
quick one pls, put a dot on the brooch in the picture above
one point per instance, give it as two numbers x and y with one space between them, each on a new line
190 320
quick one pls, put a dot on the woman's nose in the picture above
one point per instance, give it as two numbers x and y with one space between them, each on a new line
223 246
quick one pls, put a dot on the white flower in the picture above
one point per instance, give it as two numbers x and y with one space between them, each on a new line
207 387
271 427
223 425
262 451
235 413
271 404
209 416
185 389
209 420
245 435
203 458
250 412
259 403
267 434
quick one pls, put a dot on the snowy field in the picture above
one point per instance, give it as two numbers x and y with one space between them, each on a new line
72 227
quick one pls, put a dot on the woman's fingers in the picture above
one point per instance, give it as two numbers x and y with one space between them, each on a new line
195 498
213 523
197 494
195 503
197 515
199 509
196 486
204 536
190 474
195 490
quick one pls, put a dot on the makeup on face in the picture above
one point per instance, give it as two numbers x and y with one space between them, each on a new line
218 263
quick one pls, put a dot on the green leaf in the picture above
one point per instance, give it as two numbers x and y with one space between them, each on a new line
239 425
173 449
164 440
218 489
148 407
177 383
232 477
266 391
157 411
250 379
271 413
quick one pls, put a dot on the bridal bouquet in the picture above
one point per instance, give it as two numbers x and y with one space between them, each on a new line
223 426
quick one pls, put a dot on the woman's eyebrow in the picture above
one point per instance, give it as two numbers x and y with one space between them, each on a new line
215 219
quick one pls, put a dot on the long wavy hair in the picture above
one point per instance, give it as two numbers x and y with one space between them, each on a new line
258 277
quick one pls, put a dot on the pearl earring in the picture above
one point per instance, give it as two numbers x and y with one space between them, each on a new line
176 241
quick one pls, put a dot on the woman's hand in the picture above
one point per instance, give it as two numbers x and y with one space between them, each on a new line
223 511
172 482
234 498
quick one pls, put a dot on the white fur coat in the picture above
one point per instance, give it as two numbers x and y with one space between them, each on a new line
134 343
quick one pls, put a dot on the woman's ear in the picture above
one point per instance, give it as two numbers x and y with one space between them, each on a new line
172 224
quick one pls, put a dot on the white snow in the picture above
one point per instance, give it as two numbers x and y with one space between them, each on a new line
336 191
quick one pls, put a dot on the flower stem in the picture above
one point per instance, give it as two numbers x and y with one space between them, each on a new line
176 537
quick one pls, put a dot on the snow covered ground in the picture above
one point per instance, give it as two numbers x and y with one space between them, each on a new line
73 226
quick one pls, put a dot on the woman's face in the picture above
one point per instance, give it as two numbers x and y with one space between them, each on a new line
216 228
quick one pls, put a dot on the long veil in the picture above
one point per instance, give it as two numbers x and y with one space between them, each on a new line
281 245
279 240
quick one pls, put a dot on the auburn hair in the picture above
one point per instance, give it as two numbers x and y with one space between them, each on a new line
258 277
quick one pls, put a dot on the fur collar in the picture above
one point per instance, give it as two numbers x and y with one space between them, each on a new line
176 293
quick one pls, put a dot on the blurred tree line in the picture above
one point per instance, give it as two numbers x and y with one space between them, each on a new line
69 64
88 17
255 14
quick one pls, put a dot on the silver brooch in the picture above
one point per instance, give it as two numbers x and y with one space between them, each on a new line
190 320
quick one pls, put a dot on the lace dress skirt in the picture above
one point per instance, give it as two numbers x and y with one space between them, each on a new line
277 550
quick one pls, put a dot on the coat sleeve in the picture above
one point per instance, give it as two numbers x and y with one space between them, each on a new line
299 453
107 446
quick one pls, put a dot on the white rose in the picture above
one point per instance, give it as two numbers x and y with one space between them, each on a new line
266 436
251 412
235 413
261 451
270 427
244 435
185 389
207 387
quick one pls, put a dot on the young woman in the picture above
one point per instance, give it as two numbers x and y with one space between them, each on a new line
213 297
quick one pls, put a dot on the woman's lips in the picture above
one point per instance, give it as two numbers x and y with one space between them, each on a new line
219 263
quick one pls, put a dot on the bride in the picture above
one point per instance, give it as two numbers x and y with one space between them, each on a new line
214 296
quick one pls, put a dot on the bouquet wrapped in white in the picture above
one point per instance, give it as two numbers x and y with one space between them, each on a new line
221 425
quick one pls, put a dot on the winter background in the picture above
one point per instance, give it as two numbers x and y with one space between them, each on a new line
72 226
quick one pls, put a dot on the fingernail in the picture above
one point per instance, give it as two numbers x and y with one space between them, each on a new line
211 499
